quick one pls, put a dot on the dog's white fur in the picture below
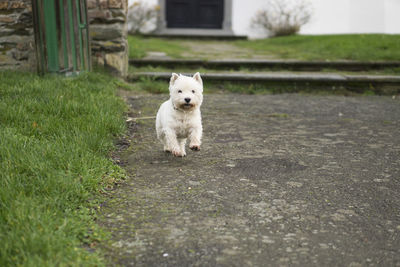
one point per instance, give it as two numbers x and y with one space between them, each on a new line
178 119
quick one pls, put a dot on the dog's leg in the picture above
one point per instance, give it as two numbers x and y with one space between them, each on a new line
182 143
166 147
172 143
163 140
195 139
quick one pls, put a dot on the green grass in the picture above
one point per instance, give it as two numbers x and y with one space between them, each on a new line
150 85
359 47
55 138
138 46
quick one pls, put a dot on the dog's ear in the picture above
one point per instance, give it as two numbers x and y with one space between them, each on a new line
197 77
173 78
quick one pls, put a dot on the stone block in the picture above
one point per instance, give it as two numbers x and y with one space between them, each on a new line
115 3
103 3
125 5
6 19
105 16
107 31
23 46
21 55
3 5
119 14
117 62
15 39
16 34
7 61
17 5
4 48
109 46
5 32
99 15
92 4
26 19
98 59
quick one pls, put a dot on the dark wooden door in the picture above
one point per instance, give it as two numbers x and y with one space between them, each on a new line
206 14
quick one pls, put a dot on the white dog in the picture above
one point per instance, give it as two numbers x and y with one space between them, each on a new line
179 118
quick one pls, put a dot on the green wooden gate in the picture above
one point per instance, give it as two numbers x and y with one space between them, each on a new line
61 36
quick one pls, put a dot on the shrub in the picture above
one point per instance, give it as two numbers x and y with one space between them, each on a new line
142 17
283 17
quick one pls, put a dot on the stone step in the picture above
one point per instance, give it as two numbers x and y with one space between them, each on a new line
294 65
381 84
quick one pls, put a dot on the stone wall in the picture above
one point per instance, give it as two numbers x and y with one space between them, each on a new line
108 31
16 35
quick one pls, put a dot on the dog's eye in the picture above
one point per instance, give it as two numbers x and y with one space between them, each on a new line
193 91
179 91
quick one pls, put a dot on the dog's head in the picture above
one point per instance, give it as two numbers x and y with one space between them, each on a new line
186 92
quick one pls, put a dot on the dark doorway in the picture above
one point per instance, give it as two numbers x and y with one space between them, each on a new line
206 14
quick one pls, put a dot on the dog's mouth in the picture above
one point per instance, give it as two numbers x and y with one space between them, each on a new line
187 106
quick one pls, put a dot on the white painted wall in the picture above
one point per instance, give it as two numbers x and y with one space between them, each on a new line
392 16
329 17
369 16
351 16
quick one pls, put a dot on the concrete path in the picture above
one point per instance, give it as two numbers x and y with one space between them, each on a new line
281 76
281 180
308 77
297 81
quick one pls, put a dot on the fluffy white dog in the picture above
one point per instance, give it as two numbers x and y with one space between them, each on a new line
179 118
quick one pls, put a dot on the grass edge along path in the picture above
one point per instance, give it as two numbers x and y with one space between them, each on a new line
56 137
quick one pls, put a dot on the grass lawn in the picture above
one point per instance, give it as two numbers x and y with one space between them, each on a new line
358 47
55 138
138 46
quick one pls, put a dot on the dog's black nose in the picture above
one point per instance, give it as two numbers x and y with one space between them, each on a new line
187 100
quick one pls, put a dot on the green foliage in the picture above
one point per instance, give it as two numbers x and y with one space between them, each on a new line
55 137
359 47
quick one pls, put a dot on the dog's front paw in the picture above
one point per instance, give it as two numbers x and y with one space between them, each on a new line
178 153
195 147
